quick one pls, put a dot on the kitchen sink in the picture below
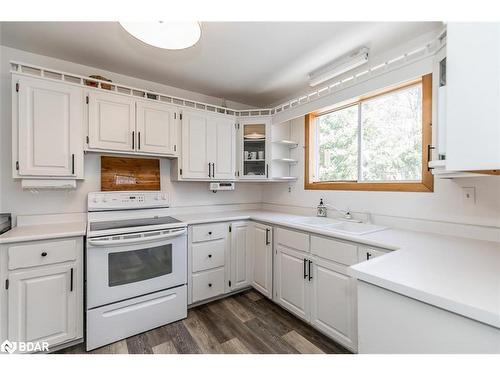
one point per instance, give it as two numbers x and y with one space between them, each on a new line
315 221
354 228
338 225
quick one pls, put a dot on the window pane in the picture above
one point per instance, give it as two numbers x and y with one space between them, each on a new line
338 145
392 136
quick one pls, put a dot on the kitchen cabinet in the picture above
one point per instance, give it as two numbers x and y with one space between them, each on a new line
254 134
121 123
262 259
472 96
156 128
240 254
47 129
208 146
312 282
111 121
333 301
44 291
292 281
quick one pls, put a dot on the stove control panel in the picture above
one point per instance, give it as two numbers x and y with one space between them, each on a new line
114 200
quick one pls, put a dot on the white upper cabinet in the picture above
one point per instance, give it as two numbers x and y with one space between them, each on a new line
208 146
124 124
473 96
111 122
47 128
156 128
195 133
222 151
254 140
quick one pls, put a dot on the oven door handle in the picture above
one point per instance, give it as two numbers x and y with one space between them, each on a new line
141 239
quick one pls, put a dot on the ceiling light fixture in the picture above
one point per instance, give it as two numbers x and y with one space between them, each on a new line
166 35
339 66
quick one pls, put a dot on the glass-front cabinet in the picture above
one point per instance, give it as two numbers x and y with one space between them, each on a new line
254 134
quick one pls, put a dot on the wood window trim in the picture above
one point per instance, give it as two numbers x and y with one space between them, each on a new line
427 183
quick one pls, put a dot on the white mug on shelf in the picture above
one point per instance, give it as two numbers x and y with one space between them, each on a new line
261 154
253 155
247 155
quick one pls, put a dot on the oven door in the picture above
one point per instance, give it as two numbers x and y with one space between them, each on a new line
126 266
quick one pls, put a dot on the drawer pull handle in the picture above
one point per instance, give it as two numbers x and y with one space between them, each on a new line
209 285
210 255
44 254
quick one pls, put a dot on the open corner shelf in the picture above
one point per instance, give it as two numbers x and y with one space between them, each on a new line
285 178
287 160
286 142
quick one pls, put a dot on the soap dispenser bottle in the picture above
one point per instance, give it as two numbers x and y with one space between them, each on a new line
321 209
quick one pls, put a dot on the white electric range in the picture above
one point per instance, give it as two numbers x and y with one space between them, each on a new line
136 265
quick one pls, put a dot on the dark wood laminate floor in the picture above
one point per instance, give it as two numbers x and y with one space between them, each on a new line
243 323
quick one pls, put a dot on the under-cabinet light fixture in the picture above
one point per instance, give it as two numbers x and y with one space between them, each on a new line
339 66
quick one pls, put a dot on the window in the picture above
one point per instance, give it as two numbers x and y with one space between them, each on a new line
374 143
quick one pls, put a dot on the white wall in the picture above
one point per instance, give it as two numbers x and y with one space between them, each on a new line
445 204
14 199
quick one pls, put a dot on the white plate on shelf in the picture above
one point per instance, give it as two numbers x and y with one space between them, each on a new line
255 136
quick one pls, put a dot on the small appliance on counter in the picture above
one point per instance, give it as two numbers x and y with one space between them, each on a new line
5 223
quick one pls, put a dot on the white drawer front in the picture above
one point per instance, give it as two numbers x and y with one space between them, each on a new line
208 255
208 232
119 320
337 251
293 240
39 253
208 284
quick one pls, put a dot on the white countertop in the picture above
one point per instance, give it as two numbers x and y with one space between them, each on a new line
454 273
44 232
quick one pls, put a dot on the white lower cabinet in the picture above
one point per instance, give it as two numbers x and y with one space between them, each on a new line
315 289
44 291
333 302
219 259
240 255
292 283
262 259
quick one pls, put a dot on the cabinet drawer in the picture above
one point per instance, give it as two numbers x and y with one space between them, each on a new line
337 251
39 253
293 240
208 255
208 284
209 232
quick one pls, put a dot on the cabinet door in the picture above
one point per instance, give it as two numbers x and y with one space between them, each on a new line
49 128
333 303
156 125
111 122
222 149
254 148
473 95
240 259
43 304
292 282
262 259
195 133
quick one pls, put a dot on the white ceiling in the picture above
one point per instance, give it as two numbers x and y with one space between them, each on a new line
256 63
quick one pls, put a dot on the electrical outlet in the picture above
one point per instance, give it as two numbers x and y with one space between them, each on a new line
469 195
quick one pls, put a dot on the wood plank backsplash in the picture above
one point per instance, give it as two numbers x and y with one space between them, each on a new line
118 173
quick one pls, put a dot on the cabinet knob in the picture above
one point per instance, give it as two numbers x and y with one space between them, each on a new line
44 254
210 285
210 255
209 233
